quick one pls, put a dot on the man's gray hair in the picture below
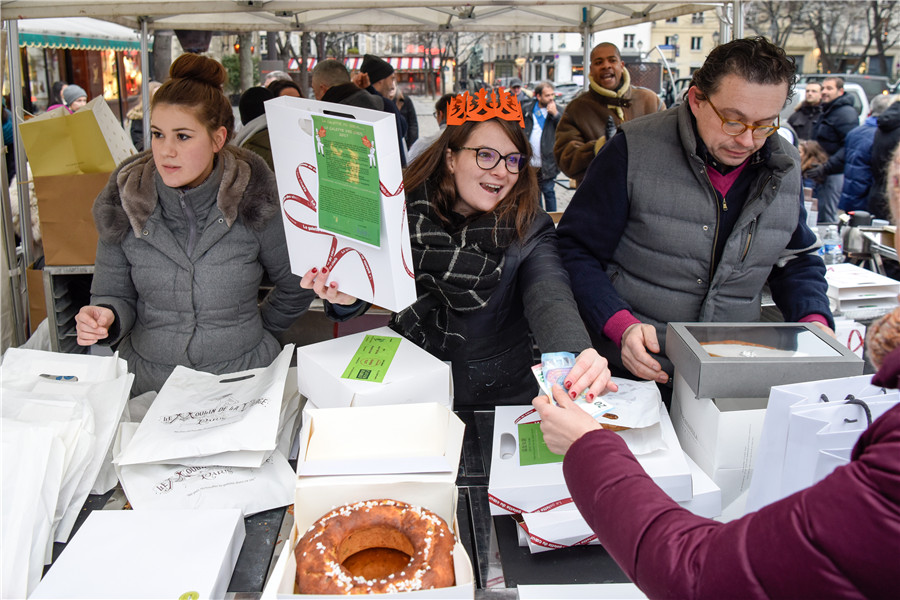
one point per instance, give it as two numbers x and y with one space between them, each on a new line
330 72
880 104
276 75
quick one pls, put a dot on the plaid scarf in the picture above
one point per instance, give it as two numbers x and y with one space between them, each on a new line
455 272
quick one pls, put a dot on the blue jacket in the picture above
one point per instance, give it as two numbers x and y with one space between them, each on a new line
857 166
549 168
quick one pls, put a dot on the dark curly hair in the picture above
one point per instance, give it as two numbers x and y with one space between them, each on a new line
754 59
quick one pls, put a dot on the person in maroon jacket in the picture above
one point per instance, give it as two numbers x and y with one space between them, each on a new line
839 538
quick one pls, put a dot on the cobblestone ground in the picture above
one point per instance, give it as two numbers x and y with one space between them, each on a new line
428 125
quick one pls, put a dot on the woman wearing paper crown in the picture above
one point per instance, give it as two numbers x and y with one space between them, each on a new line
186 231
839 538
487 271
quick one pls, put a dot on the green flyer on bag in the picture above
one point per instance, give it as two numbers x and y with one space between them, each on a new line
349 192
532 448
372 359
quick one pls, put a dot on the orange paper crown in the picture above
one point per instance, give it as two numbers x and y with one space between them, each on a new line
486 105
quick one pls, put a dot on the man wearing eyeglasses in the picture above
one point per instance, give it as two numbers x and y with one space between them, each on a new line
688 213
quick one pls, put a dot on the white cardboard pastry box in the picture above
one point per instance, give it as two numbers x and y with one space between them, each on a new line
408 453
371 368
583 591
148 554
720 434
723 373
562 528
514 488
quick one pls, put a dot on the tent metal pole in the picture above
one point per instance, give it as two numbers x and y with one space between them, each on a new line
737 17
586 43
17 269
145 83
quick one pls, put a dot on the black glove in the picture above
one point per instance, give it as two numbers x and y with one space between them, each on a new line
816 173
611 128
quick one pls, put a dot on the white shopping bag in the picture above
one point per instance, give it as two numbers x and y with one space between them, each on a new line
347 158
27 500
203 488
101 383
199 419
72 423
816 432
768 472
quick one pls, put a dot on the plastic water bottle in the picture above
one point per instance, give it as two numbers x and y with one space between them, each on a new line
832 250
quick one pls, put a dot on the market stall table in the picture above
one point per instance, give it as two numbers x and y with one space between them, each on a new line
492 543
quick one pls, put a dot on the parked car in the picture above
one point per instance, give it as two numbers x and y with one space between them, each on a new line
566 91
856 92
872 84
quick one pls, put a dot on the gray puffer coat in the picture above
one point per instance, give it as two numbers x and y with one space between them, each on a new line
182 268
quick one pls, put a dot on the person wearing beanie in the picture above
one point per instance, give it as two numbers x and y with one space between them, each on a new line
380 80
75 97
254 135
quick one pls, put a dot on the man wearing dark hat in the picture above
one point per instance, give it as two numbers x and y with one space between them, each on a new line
515 88
382 82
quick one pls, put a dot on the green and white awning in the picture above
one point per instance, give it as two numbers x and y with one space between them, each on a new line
77 33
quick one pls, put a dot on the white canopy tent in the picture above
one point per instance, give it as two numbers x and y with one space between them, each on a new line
498 16
512 16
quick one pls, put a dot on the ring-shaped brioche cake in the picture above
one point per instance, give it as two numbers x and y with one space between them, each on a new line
363 548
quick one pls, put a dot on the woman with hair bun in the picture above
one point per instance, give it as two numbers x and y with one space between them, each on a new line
186 232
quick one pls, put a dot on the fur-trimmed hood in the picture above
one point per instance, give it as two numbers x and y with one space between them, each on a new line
247 191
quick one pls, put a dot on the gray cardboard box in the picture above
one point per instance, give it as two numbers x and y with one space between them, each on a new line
744 360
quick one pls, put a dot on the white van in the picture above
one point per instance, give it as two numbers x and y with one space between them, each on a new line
857 94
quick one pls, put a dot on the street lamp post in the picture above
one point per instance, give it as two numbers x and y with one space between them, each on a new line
640 47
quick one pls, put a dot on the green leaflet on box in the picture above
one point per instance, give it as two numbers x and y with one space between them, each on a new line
372 359
532 448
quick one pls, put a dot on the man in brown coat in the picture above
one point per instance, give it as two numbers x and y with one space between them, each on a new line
594 116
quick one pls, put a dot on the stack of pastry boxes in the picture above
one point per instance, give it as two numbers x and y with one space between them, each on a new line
405 452
719 403
538 495
387 437
853 290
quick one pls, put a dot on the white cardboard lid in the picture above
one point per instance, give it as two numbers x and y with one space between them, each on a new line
393 439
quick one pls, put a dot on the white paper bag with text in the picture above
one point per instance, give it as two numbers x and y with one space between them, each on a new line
175 486
198 419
